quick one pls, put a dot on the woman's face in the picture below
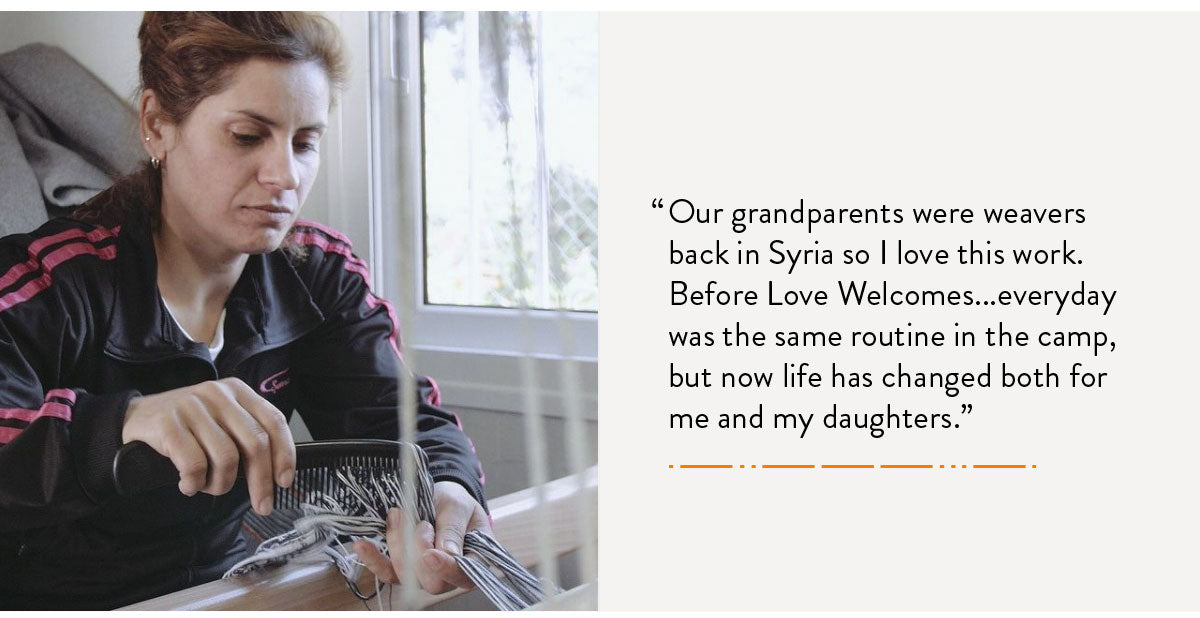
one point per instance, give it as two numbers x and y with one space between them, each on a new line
237 170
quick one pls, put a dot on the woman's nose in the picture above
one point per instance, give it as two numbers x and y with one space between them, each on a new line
279 170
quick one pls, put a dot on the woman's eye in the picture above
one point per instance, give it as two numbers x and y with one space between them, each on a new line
306 146
247 139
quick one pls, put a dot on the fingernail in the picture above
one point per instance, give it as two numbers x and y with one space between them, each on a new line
286 478
394 517
451 548
264 506
430 560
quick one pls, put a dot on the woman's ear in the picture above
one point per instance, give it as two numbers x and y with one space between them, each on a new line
152 125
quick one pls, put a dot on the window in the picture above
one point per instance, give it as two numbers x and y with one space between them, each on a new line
482 224
510 146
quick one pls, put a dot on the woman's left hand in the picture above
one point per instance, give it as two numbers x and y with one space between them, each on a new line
457 513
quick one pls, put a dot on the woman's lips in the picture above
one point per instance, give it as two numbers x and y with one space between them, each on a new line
270 213
272 208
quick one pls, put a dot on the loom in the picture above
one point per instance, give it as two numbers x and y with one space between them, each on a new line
567 505
536 525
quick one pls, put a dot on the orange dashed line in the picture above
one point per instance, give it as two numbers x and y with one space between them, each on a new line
671 466
1000 466
706 466
906 466
849 466
788 466
942 466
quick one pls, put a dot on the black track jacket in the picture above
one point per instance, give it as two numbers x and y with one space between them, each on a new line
83 330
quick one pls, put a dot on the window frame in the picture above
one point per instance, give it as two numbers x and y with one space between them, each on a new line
477 354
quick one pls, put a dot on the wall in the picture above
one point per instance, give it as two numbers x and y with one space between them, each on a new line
112 57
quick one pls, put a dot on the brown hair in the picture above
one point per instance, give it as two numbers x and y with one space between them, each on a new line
187 56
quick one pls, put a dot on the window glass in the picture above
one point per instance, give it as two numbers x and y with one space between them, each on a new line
510 159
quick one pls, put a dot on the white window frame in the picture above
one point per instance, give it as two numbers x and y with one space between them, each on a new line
475 353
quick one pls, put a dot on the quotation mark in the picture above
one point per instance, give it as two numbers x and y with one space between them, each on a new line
966 408
656 203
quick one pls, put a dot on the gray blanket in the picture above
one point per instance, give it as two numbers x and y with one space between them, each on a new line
64 136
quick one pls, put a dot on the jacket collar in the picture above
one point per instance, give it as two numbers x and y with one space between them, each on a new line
268 307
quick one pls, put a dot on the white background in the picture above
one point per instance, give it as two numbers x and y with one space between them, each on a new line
912 110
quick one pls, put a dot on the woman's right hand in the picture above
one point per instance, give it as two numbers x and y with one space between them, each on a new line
207 428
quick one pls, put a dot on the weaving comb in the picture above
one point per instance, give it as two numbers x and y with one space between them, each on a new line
138 468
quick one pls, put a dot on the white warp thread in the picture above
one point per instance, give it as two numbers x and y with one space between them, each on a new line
357 509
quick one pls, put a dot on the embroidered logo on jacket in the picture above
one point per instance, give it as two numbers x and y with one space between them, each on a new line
275 383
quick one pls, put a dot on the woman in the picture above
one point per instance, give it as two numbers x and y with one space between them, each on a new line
187 307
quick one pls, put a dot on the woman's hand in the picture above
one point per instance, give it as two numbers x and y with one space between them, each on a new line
457 513
207 428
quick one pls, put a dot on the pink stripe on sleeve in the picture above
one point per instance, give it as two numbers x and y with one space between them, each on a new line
35 286
353 263
374 301
435 395
61 393
28 266
323 228
51 408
